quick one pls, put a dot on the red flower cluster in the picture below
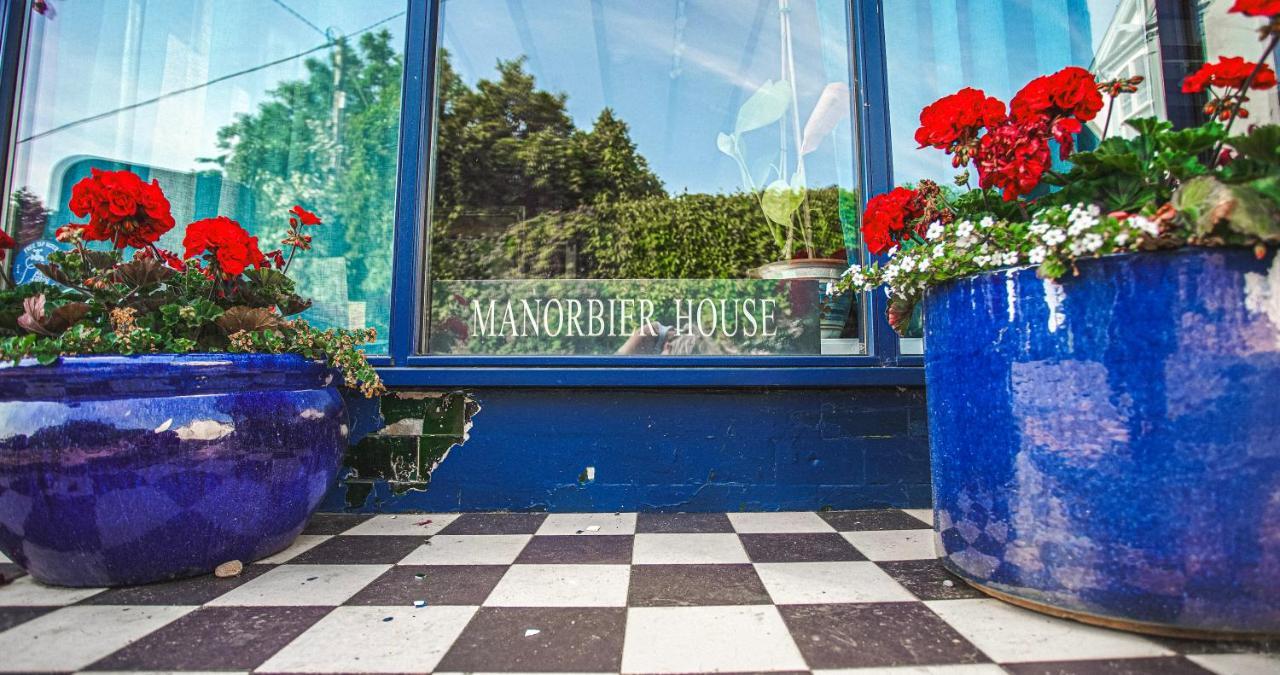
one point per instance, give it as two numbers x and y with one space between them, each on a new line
1230 72
1268 8
121 208
952 123
301 215
888 218
1014 158
1065 100
228 245
1013 153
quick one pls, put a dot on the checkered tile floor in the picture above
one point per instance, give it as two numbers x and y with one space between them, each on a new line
607 593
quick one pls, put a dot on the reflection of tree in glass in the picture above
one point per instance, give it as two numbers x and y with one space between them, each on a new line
329 141
521 193
29 215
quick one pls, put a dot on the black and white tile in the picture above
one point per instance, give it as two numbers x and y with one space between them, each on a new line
836 592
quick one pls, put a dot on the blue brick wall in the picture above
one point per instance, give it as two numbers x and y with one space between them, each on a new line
648 450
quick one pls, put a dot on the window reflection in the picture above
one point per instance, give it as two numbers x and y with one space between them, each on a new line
628 158
238 108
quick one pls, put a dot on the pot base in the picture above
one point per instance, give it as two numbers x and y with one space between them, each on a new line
1156 629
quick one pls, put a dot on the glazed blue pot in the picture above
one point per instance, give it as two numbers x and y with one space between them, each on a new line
129 470
1108 448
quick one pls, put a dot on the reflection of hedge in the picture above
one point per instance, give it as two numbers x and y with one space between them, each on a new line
691 236
451 309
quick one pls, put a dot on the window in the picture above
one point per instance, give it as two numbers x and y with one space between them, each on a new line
642 177
238 108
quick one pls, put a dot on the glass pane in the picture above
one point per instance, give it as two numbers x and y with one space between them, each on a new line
641 177
239 108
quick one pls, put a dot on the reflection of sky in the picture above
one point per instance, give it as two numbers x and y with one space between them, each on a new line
936 47
675 70
95 58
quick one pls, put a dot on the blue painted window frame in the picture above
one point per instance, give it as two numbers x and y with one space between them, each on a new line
401 366
881 366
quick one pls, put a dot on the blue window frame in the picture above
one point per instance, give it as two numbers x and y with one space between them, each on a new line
404 365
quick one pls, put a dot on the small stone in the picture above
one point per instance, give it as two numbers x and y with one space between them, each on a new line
231 568
387 618
593 528
531 632
419 603
393 517
948 583
419 576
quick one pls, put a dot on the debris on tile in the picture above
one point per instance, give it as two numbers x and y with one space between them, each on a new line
531 632
312 578
385 619
948 583
578 532
393 517
231 568
593 528
419 603
419 576
424 523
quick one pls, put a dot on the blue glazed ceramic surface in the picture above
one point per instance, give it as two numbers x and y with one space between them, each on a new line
127 470
1110 446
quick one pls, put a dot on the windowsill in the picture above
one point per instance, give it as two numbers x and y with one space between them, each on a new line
791 373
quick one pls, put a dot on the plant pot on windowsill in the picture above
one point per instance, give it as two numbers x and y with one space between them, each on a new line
130 470
1106 448
823 271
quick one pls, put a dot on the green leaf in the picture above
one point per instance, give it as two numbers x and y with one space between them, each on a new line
1261 144
780 200
1149 126
766 106
727 144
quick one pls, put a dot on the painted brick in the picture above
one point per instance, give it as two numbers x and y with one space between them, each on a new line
653 450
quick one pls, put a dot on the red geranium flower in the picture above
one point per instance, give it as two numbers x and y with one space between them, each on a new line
1229 72
888 217
121 208
305 216
228 244
6 243
1064 99
1268 8
952 123
1014 158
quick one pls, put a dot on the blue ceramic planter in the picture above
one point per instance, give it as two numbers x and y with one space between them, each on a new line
1109 448
129 470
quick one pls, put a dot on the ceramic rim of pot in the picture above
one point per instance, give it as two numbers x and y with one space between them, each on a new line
823 269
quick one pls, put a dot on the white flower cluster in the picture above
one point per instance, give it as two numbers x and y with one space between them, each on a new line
966 247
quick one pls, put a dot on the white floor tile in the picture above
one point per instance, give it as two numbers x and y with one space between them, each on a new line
687 549
1239 664
923 514
1011 634
562 586
304 543
404 523
4 558
469 549
824 582
27 592
894 544
700 639
74 637
295 585
785 522
589 523
969 669
360 640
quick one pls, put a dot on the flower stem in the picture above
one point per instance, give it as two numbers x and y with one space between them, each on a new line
1106 127
1244 88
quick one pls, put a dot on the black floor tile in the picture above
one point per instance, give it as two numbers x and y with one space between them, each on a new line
360 550
436 584
861 521
495 523
817 547
216 638
1153 666
569 640
683 523
695 585
334 523
929 580
193 591
573 549
12 616
876 635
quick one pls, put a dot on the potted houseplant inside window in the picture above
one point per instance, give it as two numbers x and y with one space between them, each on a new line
161 414
772 115
1102 347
